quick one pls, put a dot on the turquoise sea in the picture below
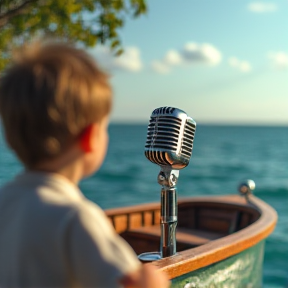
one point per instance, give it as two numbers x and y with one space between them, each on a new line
222 157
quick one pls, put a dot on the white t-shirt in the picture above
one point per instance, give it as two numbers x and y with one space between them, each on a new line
52 236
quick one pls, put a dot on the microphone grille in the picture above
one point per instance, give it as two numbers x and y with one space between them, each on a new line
189 132
170 137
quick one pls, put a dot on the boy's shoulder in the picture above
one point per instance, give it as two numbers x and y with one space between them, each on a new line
43 185
46 194
53 201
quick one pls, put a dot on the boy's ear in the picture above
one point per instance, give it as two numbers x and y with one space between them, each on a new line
87 138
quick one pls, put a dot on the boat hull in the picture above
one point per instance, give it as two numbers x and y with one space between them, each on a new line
243 270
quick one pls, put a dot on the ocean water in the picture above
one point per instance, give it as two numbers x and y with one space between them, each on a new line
222 157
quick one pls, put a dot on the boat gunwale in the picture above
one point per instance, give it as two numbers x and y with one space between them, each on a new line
215 250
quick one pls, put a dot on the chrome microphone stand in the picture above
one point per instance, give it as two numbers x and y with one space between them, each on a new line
168 177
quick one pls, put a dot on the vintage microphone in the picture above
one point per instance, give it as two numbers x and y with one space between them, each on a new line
169 144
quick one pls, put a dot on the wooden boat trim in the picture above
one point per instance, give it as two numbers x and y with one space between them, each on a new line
217 250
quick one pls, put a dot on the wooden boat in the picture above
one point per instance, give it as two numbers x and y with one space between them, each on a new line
220 239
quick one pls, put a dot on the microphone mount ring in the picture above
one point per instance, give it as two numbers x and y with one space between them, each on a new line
168 177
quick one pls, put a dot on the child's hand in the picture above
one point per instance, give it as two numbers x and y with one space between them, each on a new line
146 277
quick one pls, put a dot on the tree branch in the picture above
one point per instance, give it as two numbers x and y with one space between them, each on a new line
4 18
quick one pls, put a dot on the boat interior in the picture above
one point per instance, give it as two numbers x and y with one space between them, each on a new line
200 220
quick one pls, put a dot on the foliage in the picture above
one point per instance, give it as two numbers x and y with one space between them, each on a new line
88 22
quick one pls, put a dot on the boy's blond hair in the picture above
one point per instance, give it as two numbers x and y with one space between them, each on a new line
48 96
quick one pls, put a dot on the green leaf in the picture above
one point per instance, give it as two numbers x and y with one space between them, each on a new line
87 22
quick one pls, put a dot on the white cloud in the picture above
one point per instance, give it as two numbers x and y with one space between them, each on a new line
262 7
191 53
243 66
205 53
172 57
160 67
279 59
130 60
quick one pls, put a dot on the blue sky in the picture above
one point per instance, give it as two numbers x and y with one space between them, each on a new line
220 61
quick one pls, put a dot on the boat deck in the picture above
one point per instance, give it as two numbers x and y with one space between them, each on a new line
147 238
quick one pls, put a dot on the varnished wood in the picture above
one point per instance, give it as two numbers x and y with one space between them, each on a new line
222 248
135 216
230 223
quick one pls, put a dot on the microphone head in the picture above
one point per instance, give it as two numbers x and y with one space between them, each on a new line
170 137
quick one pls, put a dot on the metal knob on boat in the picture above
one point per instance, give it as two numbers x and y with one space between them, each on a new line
246 187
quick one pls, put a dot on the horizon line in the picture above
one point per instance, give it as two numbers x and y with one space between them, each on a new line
207 123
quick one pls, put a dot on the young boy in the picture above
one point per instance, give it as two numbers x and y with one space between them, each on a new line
54 105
